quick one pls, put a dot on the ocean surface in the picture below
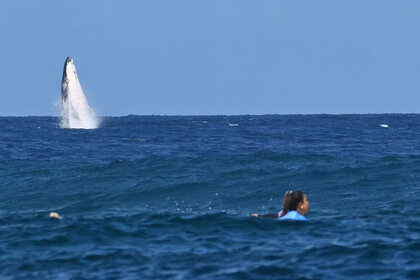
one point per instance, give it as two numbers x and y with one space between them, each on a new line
160 197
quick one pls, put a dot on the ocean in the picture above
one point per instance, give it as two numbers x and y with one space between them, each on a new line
171 197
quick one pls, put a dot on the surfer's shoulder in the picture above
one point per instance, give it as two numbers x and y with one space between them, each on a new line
293 216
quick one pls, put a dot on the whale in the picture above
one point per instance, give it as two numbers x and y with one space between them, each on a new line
75 111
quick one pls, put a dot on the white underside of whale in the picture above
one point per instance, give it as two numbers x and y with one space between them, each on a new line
75 111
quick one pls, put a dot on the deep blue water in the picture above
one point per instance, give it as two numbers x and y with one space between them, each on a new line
156 197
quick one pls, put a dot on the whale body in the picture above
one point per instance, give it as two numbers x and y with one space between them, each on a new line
75 111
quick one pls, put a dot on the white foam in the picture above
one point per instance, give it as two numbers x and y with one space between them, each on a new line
384 125
75 111
233 124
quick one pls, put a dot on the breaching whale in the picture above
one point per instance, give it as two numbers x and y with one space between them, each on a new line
75 111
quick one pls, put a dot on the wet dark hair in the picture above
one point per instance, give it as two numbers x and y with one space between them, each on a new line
291 201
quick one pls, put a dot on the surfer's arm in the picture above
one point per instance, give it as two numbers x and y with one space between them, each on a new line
265 215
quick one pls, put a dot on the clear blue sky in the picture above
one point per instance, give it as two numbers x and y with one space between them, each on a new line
212 57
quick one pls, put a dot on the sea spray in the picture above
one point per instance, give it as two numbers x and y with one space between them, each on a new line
75 111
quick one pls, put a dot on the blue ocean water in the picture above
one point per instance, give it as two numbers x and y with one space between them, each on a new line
159 197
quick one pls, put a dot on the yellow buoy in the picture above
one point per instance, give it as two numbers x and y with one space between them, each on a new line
55 215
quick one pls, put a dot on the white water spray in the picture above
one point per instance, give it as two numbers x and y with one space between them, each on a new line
75 111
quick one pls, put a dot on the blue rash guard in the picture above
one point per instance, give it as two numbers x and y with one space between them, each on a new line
293 215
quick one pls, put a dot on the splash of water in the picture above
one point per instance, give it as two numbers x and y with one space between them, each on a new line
75 111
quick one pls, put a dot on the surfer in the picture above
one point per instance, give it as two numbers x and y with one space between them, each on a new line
295 207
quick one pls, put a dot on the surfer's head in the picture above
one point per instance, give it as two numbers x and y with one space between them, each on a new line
295 201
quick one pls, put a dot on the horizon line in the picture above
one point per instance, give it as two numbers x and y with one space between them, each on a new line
215 115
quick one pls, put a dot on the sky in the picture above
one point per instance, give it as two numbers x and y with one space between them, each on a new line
212 57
